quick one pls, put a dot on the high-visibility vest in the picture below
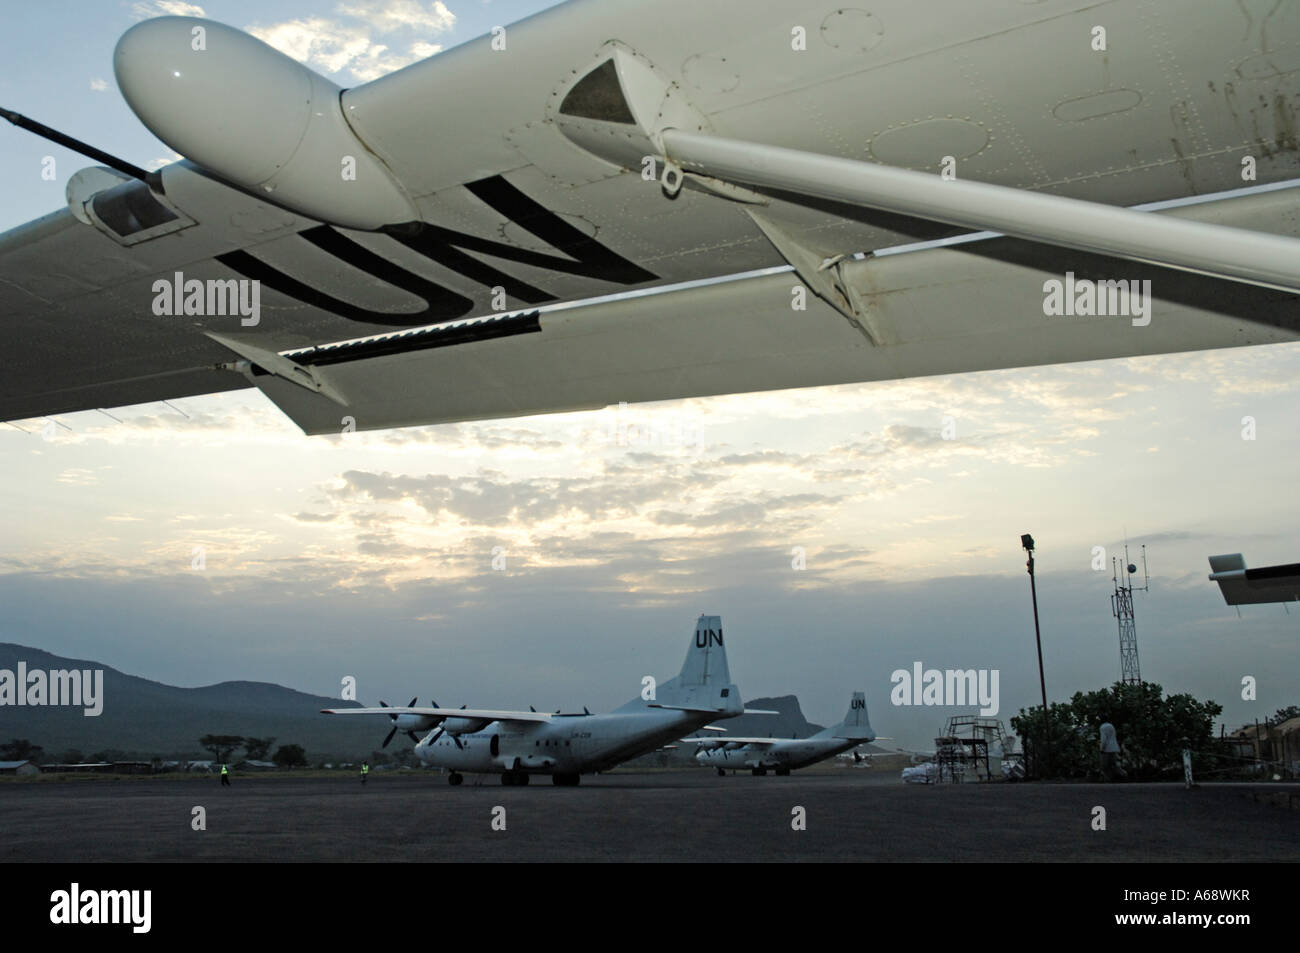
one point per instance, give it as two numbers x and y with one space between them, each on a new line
223 770
365 769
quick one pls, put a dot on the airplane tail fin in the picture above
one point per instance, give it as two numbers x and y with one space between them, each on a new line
855 726
704 682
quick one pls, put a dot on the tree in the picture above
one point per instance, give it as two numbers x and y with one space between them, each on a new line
258 748
1285 714
72 756
290 756
20 749
1054 747
221 746
1153 729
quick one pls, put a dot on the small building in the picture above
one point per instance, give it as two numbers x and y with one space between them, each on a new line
21 768
88 767
133 767
1277 744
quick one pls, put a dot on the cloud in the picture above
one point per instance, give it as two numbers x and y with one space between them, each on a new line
98 85
155 164
388 15
365 38
166 8
78 476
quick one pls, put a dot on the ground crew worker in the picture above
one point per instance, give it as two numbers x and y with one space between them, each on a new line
1109 751
365 769
225 776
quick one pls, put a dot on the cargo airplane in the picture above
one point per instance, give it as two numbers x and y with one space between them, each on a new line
519 744
800 194
785 755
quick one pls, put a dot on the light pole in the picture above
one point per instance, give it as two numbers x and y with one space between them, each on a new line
1027 542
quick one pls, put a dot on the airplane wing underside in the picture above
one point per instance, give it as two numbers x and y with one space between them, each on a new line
187 284
974 307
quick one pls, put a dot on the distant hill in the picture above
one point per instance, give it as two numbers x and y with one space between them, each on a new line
789 723
143 719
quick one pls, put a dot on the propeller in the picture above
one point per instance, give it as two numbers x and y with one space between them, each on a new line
442 731
394 720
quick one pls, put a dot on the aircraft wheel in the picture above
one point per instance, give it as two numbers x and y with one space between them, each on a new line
507 778
721 773
454 778
522 779
760 772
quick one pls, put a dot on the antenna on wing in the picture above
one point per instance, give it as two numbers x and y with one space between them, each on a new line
76 145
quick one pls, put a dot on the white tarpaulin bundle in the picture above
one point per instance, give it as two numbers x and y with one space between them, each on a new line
921 774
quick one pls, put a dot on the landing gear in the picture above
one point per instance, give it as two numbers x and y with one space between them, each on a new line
510 778
565 780
759 772
453 779
783 772
722 773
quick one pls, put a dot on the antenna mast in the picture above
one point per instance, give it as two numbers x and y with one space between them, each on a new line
1121 603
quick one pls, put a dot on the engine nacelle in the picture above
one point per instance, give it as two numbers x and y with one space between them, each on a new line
256 118
465 726
415 722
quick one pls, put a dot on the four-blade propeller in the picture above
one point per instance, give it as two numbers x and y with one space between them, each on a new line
394 719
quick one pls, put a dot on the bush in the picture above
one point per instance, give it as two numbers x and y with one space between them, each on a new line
1153 729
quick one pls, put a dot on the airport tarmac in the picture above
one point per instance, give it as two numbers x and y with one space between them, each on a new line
851 815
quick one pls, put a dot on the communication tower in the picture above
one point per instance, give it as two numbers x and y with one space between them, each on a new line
1121 603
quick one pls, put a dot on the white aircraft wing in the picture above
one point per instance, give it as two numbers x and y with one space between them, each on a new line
603 150
755 742
1241 586
470 713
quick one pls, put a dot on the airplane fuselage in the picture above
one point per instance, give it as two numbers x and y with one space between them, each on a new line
567 745
787 755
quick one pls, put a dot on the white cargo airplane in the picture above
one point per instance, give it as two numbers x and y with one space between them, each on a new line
785 755
413 250
518 744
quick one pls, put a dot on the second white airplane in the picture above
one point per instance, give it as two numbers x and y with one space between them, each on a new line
785 755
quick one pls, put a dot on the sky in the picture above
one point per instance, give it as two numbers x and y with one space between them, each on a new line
372 554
